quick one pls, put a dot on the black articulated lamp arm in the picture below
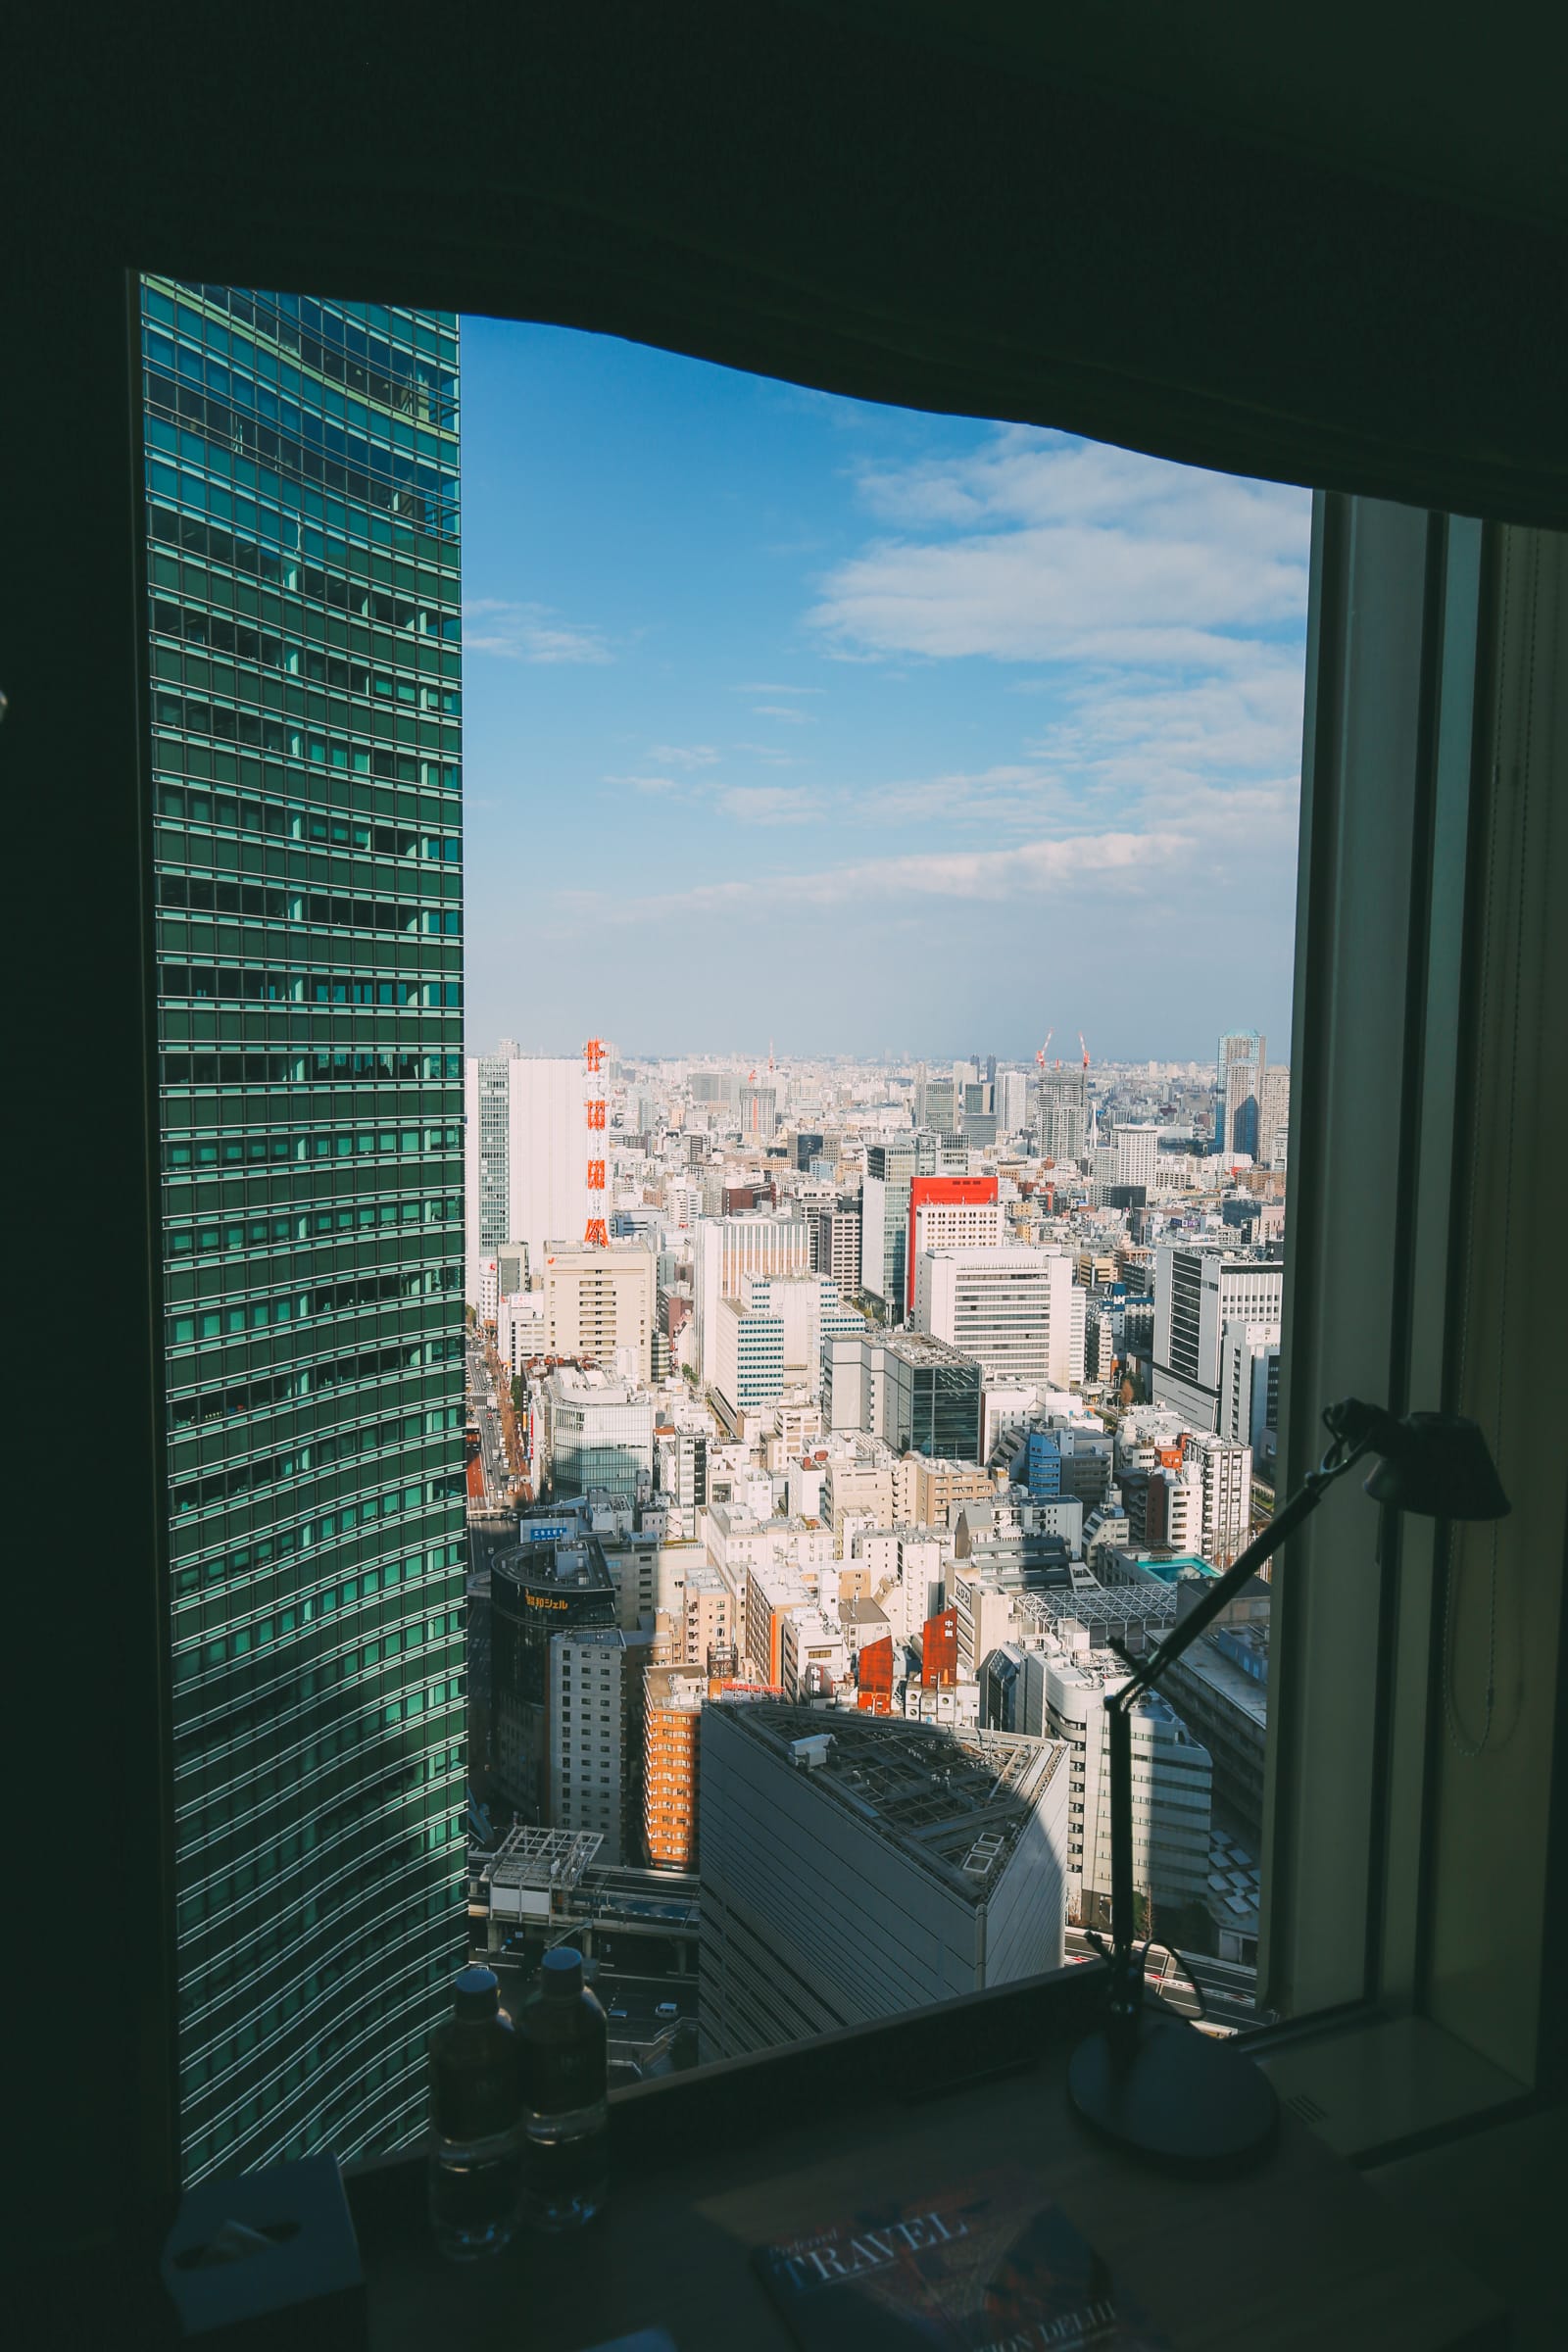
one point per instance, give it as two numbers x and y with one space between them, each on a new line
1354 1429
1143 2079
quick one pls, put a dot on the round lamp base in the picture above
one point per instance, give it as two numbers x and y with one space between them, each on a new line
1164 2091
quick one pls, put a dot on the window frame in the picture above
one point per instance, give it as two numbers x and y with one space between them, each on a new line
80 514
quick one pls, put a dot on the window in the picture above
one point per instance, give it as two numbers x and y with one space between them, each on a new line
1097 1239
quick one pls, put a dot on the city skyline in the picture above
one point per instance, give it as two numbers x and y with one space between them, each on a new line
759 679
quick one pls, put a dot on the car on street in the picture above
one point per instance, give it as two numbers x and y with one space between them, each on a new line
667 2009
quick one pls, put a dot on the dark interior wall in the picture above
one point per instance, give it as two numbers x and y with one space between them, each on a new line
769 188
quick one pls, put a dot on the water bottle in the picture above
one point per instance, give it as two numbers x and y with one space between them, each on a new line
564 2070
475 2168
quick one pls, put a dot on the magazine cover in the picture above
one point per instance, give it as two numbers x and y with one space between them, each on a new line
991 2266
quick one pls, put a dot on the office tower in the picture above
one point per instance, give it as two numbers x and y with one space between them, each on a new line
1064 1099
525 1166
486 1198
552 1585
600 1303
816 1830
1059 1691
1238 1086
1013 1102
890 1170
1274 1118
758 1110
808 1147
912 1392
1250 1385
724 1249
1136 1151
302 554
1014 1308
948 1213
1197 1291
770 1340
836 1245
595 1737
936 1105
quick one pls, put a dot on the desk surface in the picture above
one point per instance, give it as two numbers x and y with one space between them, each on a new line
1300 2253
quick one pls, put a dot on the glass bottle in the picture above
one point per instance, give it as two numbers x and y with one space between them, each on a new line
563 2067
475 2167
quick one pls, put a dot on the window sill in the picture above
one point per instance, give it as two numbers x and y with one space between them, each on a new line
706 2165
1376 2087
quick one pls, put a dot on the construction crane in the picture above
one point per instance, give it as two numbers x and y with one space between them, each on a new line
1044 1049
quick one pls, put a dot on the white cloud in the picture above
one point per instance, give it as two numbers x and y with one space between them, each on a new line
529 633
768 804
772 686
1040 549
648 783
1028 870
785 711
683 754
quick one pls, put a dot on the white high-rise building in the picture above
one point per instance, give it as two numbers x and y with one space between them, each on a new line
1013 1102
1239 1091
1136 1151
1198 1292
526 1157
1015 1308
724 1249
956 1225
595 1737
1250 1383
1061 1690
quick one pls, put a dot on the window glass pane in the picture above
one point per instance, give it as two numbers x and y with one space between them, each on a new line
866 1386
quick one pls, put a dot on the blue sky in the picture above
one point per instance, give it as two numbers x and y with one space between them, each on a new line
863 730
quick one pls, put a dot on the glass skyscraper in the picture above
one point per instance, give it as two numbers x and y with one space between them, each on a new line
303 580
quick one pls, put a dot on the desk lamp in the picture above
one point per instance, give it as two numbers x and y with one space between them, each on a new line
1147 2079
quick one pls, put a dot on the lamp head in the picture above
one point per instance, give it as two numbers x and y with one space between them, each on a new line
1439 1465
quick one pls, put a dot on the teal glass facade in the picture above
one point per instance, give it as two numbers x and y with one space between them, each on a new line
304 599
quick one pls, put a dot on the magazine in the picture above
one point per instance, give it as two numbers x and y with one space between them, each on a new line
991 2266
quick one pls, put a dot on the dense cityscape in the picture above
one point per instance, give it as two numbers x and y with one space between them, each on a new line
834 1428
693 1508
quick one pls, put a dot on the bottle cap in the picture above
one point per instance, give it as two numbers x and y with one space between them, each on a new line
476 1993
560 1972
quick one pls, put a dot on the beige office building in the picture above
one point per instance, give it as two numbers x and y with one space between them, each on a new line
598 1301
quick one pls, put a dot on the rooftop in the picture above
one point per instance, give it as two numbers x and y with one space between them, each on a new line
530 1857
957 1802
1209 1664
575 1561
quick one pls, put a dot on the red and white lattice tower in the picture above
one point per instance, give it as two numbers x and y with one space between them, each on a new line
596 1233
